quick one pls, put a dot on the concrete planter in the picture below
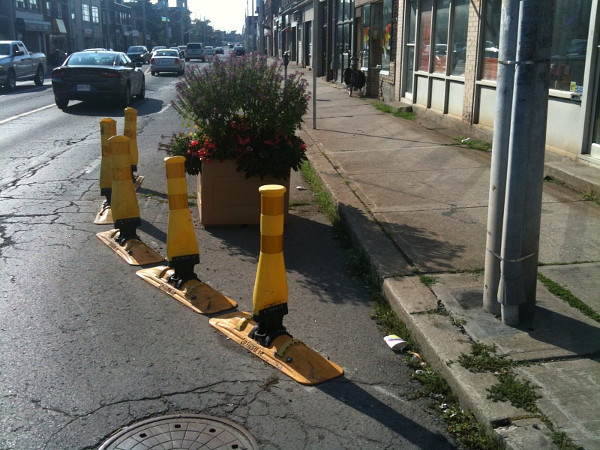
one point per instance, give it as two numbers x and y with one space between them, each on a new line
227 197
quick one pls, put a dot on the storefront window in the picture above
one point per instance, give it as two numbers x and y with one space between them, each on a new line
366 36
440 36
460 20
491 34
569 44
425 31
386 41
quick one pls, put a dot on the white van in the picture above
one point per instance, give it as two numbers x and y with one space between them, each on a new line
195 50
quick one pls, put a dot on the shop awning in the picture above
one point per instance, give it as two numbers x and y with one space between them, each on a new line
34 25
59 26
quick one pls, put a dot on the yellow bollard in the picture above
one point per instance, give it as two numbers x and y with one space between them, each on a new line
178 279
124 205
270 287
262 333
125 210
130 130
182 245
108 128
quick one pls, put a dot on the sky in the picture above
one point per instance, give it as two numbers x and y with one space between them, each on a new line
226 15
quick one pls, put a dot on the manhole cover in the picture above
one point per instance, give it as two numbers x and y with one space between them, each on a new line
182 431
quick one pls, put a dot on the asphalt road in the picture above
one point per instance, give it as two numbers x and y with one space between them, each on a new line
88 347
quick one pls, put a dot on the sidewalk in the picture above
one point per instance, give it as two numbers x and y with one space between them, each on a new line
417 204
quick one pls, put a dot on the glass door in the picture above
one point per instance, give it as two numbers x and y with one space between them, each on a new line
595 146
409 53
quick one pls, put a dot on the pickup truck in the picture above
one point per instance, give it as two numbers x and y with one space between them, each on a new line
18 64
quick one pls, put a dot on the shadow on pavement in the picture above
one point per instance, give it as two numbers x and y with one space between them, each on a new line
308 248
348 393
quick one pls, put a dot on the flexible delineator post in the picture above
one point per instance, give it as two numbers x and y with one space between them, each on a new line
270 287
182 245
108 129
130 130
124 205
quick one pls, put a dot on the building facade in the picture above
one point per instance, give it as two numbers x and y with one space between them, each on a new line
441 56
59 27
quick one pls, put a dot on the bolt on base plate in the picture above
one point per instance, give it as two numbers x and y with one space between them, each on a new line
194 293
290 356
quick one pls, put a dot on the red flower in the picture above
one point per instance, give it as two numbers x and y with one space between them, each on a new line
243 140
194 143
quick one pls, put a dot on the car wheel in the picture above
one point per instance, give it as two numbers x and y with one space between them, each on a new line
187 59
153 74
126 99
39 76
62 103
11 81
142 93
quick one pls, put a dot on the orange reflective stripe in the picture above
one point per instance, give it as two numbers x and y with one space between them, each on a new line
271 244
178 201
272 206
175 171
121 174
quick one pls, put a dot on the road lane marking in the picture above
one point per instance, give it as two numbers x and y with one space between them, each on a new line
26 114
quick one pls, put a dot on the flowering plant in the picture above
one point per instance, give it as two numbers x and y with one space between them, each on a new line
243 109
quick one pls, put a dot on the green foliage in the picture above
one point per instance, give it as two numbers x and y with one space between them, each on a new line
410 115
568 297
427 280
484 359
468 432
521 394
473 143
243 109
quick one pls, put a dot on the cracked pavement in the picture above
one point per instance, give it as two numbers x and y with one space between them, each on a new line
88 347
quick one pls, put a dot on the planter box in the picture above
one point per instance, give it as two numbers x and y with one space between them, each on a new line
227 197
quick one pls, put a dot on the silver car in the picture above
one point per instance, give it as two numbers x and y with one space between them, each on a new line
167 60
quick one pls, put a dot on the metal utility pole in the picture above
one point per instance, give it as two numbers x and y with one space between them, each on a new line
523 201
504 93
260 27
315 59
144 21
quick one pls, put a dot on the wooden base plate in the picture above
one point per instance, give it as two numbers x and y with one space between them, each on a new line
194 294
134 252
290 356
104 216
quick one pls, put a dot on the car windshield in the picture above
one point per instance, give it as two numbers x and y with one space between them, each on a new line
167 53
4 49
93 59
193 46
135 49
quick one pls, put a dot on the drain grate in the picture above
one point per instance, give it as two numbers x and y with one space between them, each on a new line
188 431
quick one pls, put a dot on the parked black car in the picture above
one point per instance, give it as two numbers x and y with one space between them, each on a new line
97 76
139 53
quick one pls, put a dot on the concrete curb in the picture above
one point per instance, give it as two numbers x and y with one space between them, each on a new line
440 341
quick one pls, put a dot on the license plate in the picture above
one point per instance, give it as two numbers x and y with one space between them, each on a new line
83 87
